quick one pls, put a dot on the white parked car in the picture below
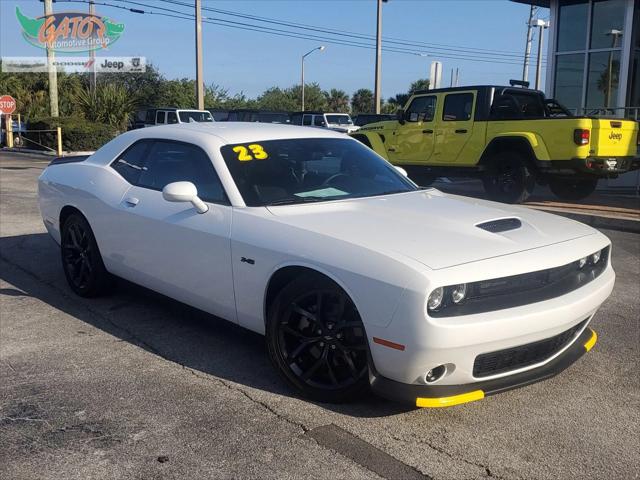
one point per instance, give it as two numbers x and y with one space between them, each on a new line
339 122
356 276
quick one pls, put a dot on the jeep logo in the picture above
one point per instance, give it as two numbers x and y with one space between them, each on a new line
615 136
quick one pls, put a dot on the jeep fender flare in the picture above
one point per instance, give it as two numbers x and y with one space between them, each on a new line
373 140
529 144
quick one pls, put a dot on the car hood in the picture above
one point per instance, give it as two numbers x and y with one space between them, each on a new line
436 229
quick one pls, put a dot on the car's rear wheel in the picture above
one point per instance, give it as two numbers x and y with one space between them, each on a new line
572 188
317 341
508 179
81 259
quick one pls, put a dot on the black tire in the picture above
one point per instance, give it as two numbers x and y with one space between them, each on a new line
317 341
508 178
572 188
81 259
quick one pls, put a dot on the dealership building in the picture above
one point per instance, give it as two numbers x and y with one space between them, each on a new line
593 57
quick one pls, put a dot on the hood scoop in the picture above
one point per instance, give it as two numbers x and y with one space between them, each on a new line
500 225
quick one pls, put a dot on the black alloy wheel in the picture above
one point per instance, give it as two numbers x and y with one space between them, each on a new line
508 179
81 259
317 340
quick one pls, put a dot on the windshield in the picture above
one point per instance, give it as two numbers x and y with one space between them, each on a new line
339 119
187 116
279 172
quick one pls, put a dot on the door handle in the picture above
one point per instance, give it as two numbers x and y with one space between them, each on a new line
427 131
462 130
131 201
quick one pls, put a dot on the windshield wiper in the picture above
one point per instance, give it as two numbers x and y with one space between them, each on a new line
294 200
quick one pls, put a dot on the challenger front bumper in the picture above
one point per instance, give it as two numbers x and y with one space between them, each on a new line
431 396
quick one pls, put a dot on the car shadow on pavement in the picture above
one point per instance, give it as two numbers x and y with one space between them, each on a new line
194 339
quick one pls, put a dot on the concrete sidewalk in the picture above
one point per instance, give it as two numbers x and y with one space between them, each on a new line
603 209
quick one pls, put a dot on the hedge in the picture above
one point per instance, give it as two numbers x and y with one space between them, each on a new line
78 134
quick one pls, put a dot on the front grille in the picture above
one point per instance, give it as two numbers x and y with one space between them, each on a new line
522 356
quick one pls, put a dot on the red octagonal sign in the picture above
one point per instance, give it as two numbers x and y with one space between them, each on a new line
7 104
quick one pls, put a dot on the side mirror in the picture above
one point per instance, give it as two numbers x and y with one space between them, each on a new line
184 192
400 116
402 171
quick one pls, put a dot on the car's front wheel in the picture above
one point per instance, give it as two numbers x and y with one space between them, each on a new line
317 341
81 259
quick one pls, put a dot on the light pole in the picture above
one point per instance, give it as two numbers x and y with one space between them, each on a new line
51 68
376 93
541 24
92 53
199 76
320 48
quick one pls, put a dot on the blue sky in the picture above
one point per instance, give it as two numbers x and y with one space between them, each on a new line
250 62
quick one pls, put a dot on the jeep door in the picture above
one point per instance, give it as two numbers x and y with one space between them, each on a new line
454 127
413 142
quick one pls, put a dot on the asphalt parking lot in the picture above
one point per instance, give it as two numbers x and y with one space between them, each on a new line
138 386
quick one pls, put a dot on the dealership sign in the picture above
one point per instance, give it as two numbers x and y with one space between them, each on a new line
75 64
69 31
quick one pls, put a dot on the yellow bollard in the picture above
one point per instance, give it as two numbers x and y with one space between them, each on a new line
9 130
59 135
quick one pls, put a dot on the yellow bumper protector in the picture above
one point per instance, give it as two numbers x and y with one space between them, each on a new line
450 401
592 341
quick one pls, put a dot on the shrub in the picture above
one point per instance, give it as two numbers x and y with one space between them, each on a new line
78 134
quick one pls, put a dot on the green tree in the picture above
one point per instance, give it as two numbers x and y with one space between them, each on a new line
314 97
275 98
362 101
420 84
109 103
337 100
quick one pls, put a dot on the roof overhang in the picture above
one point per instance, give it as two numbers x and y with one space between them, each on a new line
537 3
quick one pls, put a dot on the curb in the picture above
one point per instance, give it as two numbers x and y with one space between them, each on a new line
597 221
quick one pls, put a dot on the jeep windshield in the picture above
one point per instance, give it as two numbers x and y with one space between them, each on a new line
339 120
187 116
293 171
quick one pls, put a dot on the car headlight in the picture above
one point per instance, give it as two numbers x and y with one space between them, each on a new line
458 293
435 299
595 258
582 262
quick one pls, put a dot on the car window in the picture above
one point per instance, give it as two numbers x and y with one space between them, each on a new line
421 109
306 120
318 121
514 105
160 117
169 162
457 107
131 162
172 117
310 170
195 116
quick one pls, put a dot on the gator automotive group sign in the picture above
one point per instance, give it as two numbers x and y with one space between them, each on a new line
69 32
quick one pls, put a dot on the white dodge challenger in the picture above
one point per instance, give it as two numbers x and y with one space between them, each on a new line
358 278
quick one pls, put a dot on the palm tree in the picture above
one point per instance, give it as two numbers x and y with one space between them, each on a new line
337 100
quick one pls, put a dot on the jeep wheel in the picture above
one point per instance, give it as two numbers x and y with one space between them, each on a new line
572 188
508 179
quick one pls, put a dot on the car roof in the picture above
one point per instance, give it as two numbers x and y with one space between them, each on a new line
474 87
240 132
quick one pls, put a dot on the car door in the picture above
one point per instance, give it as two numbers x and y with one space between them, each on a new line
170 247
455 126
413 142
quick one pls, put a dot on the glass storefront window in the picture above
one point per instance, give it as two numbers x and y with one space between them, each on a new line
634 100
603 79
569 75
608 23
572 25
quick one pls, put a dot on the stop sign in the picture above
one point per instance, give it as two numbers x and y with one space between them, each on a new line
7 104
